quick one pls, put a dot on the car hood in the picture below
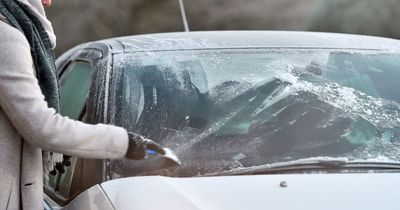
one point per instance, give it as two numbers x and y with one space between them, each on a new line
301 191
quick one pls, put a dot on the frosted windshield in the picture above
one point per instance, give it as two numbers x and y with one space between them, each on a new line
223 109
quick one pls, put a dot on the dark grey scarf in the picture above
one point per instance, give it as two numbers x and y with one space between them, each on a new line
22 18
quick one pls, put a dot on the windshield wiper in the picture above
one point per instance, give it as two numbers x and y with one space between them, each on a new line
316 163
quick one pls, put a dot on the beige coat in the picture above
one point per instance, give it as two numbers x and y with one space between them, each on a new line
25 114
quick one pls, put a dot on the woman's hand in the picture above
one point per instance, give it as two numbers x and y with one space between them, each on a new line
138 145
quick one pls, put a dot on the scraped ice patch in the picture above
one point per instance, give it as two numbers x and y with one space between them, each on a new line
379 111
276 96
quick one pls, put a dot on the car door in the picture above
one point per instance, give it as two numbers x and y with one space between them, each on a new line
66 180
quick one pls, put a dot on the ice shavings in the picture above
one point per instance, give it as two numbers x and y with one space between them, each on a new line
285 74
379 111
352 102
380 158
382 113
378 151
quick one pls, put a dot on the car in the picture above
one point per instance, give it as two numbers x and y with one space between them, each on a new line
259 119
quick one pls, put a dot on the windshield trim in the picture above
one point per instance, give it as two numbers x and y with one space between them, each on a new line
254 48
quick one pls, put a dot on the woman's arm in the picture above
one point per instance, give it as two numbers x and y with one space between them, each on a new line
24 104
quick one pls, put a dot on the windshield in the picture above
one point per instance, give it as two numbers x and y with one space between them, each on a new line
225 109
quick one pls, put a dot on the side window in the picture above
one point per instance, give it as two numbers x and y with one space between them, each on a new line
74 87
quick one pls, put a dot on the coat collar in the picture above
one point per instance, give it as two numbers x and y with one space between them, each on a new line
38 9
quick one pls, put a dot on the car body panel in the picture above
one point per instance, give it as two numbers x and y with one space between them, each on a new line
92 199
299 191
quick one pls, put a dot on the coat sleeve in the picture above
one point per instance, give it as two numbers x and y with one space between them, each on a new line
23 102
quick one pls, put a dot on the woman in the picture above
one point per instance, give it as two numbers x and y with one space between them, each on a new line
28 110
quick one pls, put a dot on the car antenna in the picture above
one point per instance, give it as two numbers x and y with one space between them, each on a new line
183 14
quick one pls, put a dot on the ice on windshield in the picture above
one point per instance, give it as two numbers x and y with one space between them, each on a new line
220 110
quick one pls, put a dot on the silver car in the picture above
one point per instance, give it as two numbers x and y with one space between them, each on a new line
259 120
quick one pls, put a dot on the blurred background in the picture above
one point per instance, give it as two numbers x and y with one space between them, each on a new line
78 21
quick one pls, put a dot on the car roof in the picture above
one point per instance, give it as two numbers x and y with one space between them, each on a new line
250 39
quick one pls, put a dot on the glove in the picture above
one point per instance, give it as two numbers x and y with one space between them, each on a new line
138 145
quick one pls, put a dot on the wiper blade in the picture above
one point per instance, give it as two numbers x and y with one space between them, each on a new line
310 164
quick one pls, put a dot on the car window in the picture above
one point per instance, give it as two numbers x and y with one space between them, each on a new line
74 88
